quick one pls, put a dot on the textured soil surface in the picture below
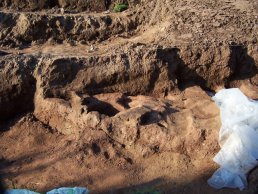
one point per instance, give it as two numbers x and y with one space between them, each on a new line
120 102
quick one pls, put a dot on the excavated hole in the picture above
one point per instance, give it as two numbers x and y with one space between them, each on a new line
94 104
150 117
103 73
95 148
106 155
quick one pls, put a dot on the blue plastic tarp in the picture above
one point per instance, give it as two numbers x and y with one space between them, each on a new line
20 191
63 190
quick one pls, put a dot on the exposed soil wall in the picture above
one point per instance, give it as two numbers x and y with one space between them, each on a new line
132 70
108 100
18 29
68 5
17 86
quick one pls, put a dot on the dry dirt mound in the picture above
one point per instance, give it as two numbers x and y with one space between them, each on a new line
23 29
120 102
74 5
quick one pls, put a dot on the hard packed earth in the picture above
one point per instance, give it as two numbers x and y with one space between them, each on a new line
120 102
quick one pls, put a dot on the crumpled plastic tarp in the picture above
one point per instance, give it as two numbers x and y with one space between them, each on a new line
19 191
63 190
238 138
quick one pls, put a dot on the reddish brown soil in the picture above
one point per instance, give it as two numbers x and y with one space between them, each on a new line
120 102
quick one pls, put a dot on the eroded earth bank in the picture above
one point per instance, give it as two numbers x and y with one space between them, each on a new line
120 102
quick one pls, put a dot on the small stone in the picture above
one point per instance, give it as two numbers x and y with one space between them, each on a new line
106 12
62 11
216 24
199 25
92 48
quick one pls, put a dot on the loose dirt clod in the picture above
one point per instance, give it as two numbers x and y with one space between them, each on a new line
120 102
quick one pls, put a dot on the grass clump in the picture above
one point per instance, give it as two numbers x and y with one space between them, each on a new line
119 7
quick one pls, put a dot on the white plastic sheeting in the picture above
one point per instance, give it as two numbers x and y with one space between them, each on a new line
76 190
238 139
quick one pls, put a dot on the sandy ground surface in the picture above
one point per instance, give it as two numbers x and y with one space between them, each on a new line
120 102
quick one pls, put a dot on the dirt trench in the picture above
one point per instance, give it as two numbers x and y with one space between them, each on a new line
122 100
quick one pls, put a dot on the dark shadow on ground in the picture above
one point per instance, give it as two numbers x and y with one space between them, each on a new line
7 124
163 186
196 186
242 64
160 185
2 188
179 72
3 53
94 104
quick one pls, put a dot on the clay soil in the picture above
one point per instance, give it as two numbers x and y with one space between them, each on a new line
120 102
